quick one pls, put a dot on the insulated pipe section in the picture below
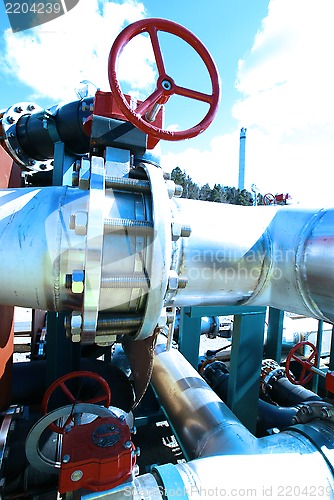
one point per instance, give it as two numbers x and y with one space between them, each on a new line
203 424
263 256
205 427
161 251
47 251
230 462
197 414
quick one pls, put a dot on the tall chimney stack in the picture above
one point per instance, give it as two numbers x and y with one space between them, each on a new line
241 182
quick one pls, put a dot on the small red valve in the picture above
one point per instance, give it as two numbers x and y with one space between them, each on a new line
96 456
307 364
61 384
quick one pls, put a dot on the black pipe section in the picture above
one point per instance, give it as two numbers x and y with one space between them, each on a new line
270 416
285 393
38 132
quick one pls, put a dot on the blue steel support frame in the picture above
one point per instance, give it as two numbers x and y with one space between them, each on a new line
274 334
245 366
62 356
246 353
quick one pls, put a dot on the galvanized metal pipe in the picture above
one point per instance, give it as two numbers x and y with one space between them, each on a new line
205 427
229 461
263 256
269 256
203 424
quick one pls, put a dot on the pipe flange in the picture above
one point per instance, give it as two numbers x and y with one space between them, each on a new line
270 371
314 409
94 247
9 122
160 251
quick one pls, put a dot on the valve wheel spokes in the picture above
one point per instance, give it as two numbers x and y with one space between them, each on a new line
307 364
60 383
165 87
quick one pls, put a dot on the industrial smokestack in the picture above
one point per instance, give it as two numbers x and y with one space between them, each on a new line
241 183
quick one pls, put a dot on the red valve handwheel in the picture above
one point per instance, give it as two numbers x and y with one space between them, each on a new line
60 383
307 364
269 199
165 86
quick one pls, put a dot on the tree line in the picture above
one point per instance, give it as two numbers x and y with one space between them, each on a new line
219 193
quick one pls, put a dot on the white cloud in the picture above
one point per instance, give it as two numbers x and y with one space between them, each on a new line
286 84
212 166
53 58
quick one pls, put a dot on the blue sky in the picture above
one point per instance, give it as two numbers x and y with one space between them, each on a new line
274 60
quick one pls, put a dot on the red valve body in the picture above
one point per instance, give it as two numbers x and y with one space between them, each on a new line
96 456
105 105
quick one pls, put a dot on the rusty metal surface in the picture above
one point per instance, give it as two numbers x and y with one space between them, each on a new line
140 354
9 177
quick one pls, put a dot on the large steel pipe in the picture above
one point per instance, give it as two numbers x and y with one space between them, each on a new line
266 256
205 427
227 460
44 241
214 254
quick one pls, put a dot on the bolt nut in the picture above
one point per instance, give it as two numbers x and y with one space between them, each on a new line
76 326
176 230
76 475
127 445
325 412
71 222
185 231
75 178
183 281
10 119
30 107
170 188
162 319
81 221
136 452
18 109
173 281
78 279
66 459
306 410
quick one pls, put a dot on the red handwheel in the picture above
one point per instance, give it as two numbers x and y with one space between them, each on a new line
60 383
307 364
269 199
165 86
